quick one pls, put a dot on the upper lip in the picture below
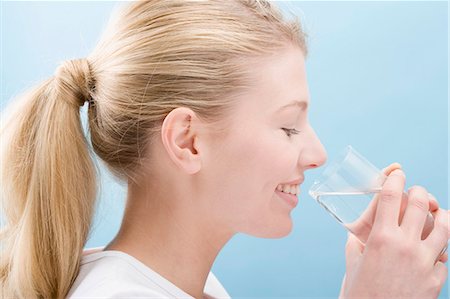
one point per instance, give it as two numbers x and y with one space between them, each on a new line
294 182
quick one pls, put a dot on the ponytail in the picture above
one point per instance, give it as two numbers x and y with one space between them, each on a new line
154 56
48 183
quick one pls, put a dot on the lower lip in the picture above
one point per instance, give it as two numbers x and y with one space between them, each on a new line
290 199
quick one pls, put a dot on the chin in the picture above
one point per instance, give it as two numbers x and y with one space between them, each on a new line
278 230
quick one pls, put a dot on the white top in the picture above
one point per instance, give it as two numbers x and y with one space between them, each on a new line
115 274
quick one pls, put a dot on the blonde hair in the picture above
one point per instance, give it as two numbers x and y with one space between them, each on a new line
154 56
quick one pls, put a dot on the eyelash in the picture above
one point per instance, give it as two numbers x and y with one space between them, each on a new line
291 132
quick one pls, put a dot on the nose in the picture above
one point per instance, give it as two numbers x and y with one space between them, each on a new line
314 154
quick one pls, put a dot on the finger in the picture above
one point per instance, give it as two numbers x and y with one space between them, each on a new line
440 234
362 226
416 212
389 202
429 222
353 251
444 258
387 170
428 227
403 206
434 204
441 272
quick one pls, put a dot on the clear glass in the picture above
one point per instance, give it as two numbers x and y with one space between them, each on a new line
348 190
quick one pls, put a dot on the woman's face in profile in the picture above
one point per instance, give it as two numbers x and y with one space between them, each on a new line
258 154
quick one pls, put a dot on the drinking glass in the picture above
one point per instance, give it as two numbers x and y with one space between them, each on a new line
349 188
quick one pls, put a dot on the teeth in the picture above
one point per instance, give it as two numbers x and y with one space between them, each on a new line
291 189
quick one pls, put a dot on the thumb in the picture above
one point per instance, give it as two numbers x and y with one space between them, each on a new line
353 251
387 170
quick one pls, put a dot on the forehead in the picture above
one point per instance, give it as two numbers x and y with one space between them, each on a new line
278 80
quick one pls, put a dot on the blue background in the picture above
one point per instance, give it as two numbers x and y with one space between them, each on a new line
378 76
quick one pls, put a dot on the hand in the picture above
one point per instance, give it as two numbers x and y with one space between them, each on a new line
362 226
396 262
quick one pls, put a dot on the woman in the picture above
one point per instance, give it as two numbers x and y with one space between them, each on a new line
201 108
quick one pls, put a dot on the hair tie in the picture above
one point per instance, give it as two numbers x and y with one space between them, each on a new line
76 76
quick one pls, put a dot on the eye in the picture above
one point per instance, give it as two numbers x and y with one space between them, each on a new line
291 132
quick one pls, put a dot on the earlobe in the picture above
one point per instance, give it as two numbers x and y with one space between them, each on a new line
180 139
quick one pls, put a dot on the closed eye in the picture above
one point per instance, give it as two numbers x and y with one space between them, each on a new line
291 132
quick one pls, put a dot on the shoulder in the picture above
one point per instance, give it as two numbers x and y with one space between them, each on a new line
110 276
115 274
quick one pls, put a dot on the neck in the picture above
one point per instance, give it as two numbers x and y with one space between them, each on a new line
175 240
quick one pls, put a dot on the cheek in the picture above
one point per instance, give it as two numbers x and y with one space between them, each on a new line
248 164
276 158
262 160
246 170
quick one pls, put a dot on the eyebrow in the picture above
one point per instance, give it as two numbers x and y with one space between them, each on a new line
301 104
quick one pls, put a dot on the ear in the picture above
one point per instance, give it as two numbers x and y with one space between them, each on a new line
180 139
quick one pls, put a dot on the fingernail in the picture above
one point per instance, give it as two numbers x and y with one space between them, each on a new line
396 165
398 172
393 165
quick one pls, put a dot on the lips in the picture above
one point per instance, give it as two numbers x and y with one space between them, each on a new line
294 182
289 199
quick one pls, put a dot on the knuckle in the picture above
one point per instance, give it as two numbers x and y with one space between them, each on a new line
387 239
418 197
381 238
389 194
420 203
405 251
417 188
